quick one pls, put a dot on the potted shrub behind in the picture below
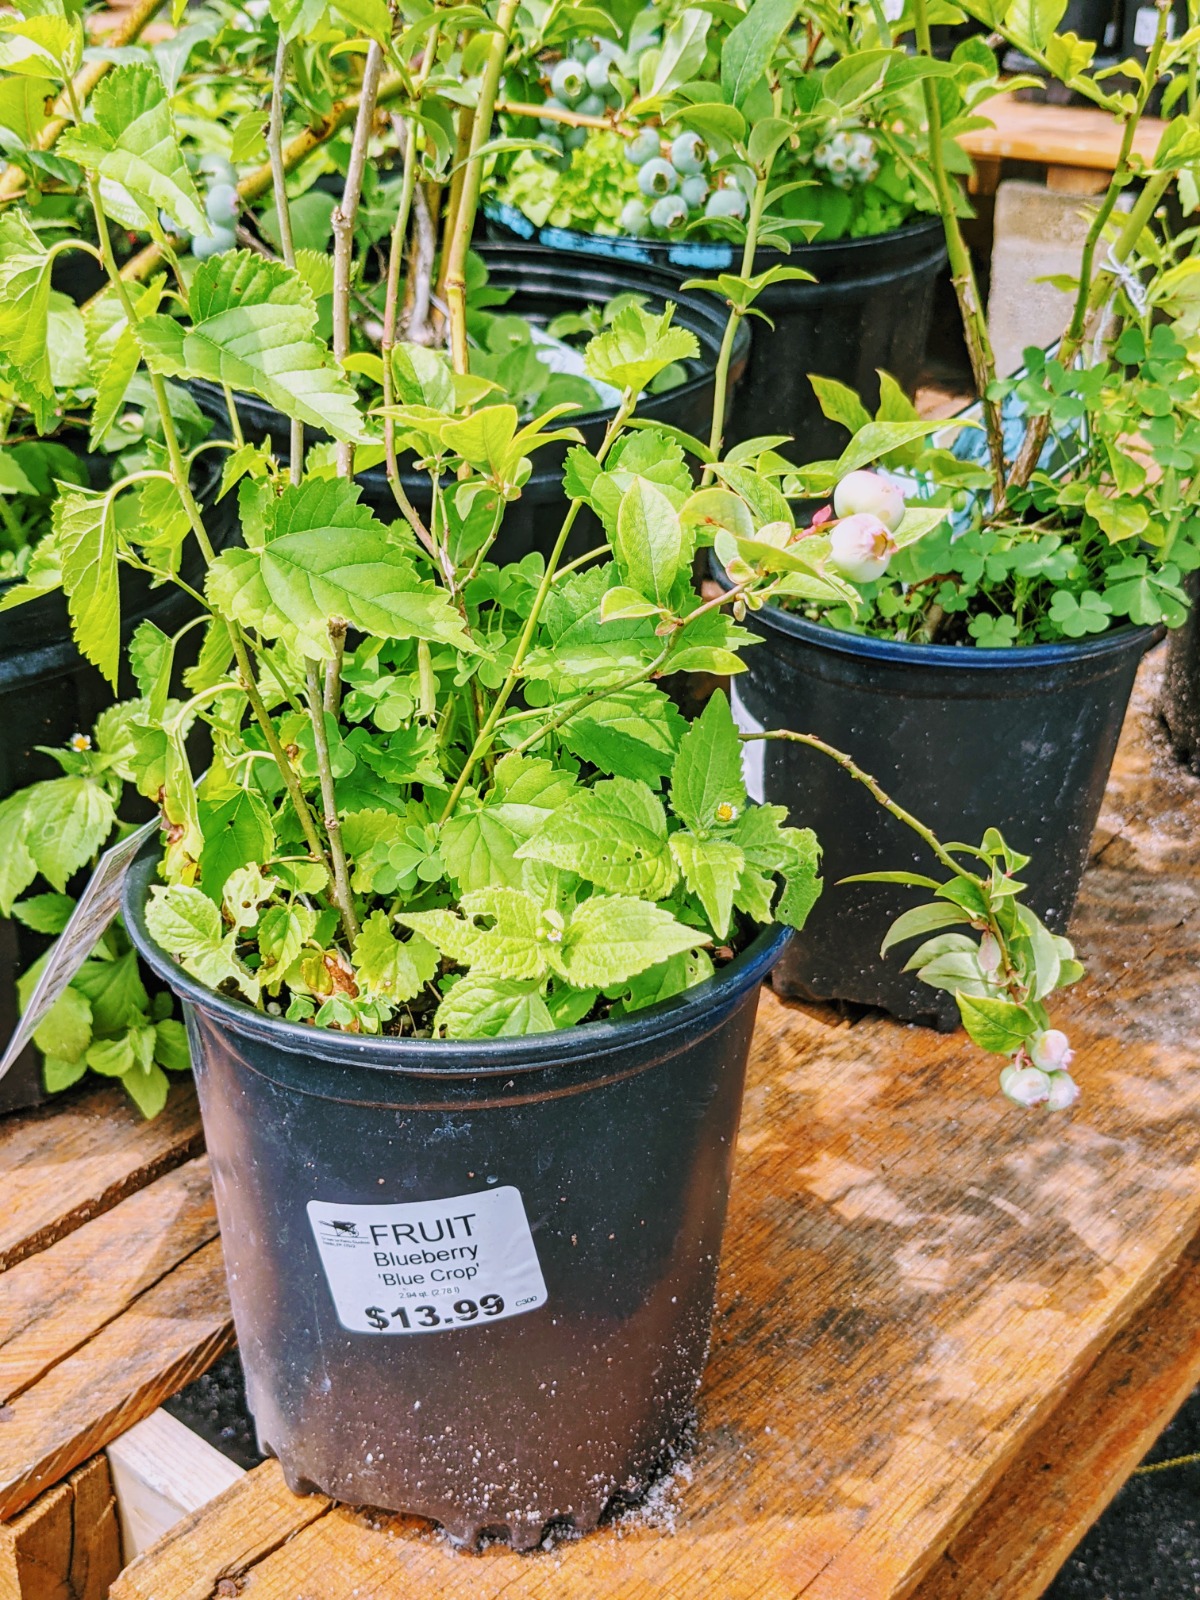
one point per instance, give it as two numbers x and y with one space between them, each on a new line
992 663
468 924
651 176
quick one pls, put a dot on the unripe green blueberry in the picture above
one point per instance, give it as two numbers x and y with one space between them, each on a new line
694 190
670 213
634 217
689 153
553 104
860 547
553 142
218 241
583 49
656 178
218 169
1051 1050
567 82
869 492
221 203
574 138
597 72
646 146
1064 1091
592 106
727 202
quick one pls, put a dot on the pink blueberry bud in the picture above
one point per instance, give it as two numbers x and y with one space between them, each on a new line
867 491
860 547
1051 1050
1026 1086
989 954
1064 1091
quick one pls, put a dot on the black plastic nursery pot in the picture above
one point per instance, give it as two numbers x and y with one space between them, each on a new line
542 290
964 739
1179 704
47 693
870 308
472 1281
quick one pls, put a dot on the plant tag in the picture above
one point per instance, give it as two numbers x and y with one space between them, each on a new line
98 905
429 1265
754 753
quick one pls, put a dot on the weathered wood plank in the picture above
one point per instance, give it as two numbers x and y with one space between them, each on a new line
65 1546
1070 1470
61 1165
915 1278
161 1471
1070 136
169 1335
221 1541
52 1303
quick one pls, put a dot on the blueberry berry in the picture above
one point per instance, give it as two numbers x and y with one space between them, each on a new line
669 213
657 177
634 217
728 202
645 147
689 153
567 81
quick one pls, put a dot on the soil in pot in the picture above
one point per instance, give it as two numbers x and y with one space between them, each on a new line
541 291
49 692
963 738
870 308
472 1281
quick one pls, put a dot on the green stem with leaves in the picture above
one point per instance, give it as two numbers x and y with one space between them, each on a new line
736 318
333 827
283 215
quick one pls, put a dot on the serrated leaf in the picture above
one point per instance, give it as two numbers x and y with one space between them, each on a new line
254 328
171 1046
187 925
237 833
326 557
214 660
86 538
711 869
634 732
45 913
614 835
131 143
281 934
707 784
802 880
511 943
66 1030
113 353
115 991
66 821
613 937
387 968
636 347
24 313
492 1008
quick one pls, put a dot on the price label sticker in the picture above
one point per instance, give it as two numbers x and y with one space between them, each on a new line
429 1265
98 905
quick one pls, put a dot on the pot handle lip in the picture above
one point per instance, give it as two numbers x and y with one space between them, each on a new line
480 1058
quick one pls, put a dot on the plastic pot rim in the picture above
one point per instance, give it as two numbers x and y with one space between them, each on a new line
707 1002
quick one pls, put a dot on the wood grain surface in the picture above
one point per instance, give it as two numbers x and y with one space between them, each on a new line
916 1282
65 1546
1068 136
66 1163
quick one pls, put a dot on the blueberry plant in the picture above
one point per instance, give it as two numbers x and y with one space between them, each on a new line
1076 508
449 798
636 134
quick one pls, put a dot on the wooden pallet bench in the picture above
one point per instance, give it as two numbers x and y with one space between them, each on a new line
1077 145
946 1331
112 1296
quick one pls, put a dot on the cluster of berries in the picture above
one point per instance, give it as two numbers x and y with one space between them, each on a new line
869 509
675 178
583 82
847 158
219 181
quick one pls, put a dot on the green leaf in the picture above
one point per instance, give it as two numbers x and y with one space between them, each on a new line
636 347
651 546
66 821
613 937
45 913
920 920
66 1030
187 925
997 1025
388 969
86 537
17 867
113 354
614 835
23 102
748 50
514 943
840 403
237 833
369 17
171 1046
25 313
803 885
58 1075
492 1008
116 992
634 732
879 439
707 785
148 1089
254 328
282 933
711 869
131 143
681 56
327 557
